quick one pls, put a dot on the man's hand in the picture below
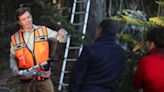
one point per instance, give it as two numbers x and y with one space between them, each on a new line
28 72
61 35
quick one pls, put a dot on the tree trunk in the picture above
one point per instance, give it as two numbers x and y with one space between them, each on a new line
121 4
159 9
142 4
110 8
96 15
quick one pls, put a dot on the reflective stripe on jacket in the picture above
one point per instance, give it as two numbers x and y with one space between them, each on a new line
26 58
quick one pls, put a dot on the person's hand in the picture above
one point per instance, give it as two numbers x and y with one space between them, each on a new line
61 35
27 72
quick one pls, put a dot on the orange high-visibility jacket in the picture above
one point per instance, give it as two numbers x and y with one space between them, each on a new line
25 57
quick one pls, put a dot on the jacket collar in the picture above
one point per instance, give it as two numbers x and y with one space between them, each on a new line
33 28
157 50
105 38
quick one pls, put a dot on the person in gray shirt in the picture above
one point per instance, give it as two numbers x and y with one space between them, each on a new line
29 48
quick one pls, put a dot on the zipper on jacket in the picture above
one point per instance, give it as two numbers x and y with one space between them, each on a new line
32 53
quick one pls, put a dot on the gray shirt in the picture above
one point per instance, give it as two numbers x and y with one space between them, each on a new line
29 40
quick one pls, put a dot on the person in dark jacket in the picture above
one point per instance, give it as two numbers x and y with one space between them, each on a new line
99 65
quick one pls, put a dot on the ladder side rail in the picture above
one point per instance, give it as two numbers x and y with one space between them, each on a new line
64 63
61 83
73 11
86 17
85 24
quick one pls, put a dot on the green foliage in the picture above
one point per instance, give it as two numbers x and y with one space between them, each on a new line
52 18
134 25
157 20
160 3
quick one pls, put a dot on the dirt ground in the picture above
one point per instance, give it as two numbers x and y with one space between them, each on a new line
13 83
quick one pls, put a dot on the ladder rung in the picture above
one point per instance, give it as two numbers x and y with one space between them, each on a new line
78 24
80 1
65 84
77 47
82 12
67 71
71 59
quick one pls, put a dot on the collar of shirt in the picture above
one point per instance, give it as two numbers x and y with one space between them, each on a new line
28 37
33 28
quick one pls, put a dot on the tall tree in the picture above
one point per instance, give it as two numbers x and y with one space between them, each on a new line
97 13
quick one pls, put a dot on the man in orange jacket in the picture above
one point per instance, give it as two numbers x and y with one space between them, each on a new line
29 48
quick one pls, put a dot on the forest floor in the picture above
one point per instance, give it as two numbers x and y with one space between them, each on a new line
13 83
9 81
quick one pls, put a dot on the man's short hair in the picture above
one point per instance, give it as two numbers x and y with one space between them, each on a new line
108 27
156 35
21 11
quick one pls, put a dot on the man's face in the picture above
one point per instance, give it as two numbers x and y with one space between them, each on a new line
98 32
150 46
25 20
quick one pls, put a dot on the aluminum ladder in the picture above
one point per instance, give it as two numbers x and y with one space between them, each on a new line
81 26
